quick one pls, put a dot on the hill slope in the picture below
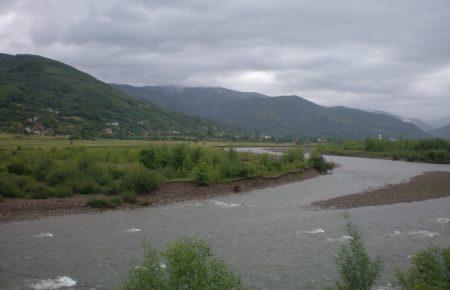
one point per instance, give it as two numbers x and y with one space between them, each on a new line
42 95
443 132
278 116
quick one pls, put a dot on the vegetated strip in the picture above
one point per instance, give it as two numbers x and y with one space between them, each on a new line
433 184
16 209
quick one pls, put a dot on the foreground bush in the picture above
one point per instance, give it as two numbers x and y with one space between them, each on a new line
430 270
356 270
190 265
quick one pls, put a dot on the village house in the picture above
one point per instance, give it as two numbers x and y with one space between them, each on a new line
107 131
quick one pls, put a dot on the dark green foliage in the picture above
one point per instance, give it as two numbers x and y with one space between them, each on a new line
7 187
317 161
41 168
99 203
141 180
430 270
39 191
201 174
190 265
86 186
356 270
293 155
147 156
63 191
18 166
128 196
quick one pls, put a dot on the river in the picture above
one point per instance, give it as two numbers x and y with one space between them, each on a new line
270 236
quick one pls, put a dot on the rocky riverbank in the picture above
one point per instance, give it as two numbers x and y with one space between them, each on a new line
435 184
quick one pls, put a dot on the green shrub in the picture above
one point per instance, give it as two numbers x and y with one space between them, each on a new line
116 201
39 191
141 180
293 155
317 161
430 270
356 270
190 265
41 168
115 172
128 196
86 186
201 174
234 168
62 174
99 203
112 187
147 157
18 166
63 191
8 187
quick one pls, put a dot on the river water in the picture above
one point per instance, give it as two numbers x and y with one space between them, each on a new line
270 236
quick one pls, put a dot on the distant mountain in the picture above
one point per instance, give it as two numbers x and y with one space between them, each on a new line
443 132
419 123
386 113
41 95
277 116
441 122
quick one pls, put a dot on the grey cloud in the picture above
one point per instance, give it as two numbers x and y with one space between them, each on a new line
391 55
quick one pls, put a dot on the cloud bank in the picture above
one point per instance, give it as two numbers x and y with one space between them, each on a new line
386 55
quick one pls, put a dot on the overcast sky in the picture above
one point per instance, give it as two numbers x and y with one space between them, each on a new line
382 54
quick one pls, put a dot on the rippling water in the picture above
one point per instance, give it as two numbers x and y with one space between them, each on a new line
270 236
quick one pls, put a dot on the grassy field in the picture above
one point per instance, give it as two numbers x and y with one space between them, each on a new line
9 141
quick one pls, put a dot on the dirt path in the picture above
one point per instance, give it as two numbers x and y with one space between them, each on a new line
434 184
16 209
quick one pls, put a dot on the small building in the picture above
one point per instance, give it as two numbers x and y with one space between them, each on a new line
107 131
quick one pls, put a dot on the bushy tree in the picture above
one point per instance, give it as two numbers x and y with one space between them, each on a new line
147 156
430 270
201 174
356 270
190 265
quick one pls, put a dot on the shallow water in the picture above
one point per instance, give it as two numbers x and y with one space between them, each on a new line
270 236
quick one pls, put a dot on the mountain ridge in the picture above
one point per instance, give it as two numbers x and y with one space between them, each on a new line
45 96
278 116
